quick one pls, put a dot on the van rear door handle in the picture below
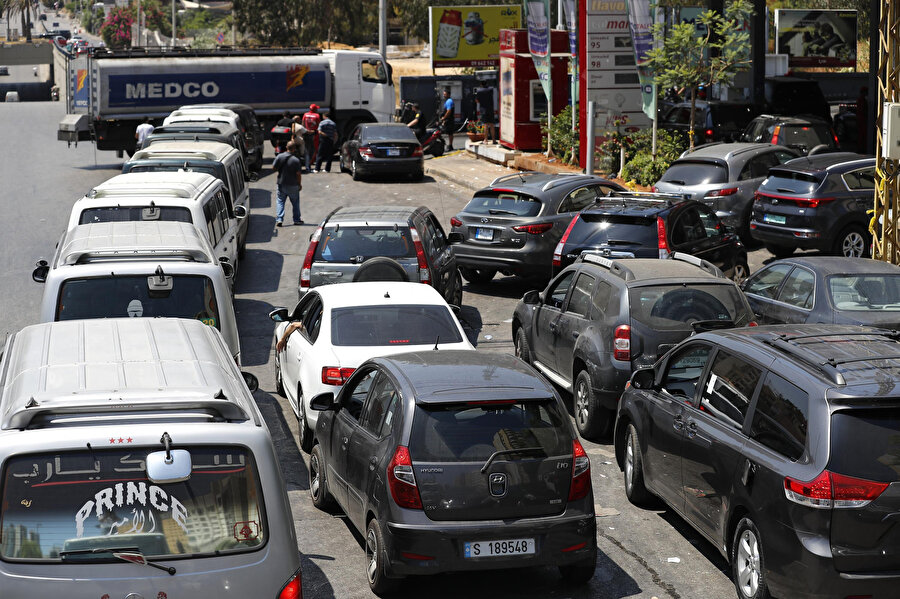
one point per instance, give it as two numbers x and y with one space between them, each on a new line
331 273
575 334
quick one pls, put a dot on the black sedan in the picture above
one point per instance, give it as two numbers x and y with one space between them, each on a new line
826 289
382 149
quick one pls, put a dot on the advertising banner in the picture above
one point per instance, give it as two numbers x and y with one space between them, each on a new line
80 92
469 36
816 38
640 20
572 25
537 16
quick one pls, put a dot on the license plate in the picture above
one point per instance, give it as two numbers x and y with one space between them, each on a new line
393 152
775 219
498 548
484 234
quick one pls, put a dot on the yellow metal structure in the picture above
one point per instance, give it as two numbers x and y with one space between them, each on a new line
886 236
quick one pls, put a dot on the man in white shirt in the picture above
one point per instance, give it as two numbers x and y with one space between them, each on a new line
142 131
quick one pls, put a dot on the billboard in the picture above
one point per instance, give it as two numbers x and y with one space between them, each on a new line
816 38
469 36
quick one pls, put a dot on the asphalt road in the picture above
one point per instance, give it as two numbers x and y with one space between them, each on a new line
644 553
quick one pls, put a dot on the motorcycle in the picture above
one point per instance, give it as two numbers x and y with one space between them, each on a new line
432 140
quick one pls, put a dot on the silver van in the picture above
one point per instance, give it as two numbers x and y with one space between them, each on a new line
138 269
196 198
134 462
215 158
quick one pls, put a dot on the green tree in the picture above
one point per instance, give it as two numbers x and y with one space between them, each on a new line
683 59
116 29
272 22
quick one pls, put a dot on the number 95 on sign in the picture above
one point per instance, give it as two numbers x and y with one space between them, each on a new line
498 548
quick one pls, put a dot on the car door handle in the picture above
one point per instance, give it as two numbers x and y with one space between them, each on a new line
575 334
691 429
355 103
373 462
552 327
678 423
345 441
365 101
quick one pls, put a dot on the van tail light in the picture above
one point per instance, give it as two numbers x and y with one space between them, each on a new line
776 134
581 472
662 241
557 253
709 133
424 273
455 222
752 323
333 375
402 480
830 490
310 253
537 229
721 193
293 589
365 151
417 152
837 144
622 343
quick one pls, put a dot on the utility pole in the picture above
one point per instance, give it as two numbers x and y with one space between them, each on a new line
174 37
382 28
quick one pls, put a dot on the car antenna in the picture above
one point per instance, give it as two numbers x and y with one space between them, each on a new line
436 341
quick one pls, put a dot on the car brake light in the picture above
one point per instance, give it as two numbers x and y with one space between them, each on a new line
537 229
752 323
402 480
365 151
775 135
557 253
720 193
307 262
503 190
417 152
622 343
333 375
797 201
830 490
581 472
293 589
662 242
455 222
709 133
837 144
653 189
424 273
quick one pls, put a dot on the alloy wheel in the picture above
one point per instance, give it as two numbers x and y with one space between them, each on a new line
581 403
629 462
854 245
371 555
315 472
748 564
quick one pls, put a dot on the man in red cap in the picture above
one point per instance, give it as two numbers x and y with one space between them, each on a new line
311 121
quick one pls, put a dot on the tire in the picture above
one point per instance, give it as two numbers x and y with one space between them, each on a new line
242 250
633 471
780 251
380 268
376 558
305 435
417 175
478 276
318 488
279 382
523 350
354 172
580 572
456 295
343 168
740 273
591 419
437 148
853 242
748 563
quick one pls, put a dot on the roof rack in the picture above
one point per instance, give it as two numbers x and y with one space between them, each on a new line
118 241
130 190
699 263
519 175
650 196
614 267
88 256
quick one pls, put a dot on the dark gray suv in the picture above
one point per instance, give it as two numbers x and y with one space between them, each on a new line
451 461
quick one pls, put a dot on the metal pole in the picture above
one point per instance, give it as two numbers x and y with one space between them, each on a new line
589 151
174 37
382 28
139 29
560 24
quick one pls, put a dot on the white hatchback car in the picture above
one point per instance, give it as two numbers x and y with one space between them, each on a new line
344 325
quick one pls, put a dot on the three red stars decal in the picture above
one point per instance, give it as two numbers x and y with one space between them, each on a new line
121 440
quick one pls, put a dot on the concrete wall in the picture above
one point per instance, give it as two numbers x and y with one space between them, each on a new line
26 54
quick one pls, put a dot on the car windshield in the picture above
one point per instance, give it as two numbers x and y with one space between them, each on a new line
695 173
82 500
676 306
865 293
388 133
109 214
874 436
503 202
190 296
474 431
340 243
396 324
804 136
785 181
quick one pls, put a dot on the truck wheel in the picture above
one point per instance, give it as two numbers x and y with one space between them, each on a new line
592 420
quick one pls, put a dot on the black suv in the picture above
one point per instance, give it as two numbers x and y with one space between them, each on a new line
817 202
600 318
713 121
806 134
646 225
779 445
513 224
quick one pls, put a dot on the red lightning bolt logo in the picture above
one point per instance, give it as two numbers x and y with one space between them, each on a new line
295 76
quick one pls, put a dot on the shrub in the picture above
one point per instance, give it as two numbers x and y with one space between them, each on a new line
563 138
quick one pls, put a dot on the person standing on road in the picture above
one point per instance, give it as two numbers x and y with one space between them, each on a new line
311 121
328 135
142 131
447 118
485 99
288 167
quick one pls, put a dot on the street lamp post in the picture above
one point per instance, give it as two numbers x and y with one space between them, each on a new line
173 24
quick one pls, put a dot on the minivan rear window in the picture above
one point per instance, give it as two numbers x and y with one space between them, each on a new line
58 503
695 173
874 436
500 203
466 432
785 181
395 324
109 214
676 306
191 296
342 243
216 170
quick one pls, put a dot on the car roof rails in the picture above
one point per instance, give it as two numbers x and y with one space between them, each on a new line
650 196
699 263
615 267
563 178
138 240
519 175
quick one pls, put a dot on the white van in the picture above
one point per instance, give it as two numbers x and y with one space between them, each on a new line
212 115
188 197
138 269
134 462
214 158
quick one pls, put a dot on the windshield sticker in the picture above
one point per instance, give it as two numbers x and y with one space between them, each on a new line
246 531
208 321
135 308
130 494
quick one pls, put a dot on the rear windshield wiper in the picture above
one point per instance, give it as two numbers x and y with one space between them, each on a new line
499 211
125 554
506 451
675 181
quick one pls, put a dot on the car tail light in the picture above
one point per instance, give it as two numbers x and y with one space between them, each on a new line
503 190
557 253
334 375
797 201
307 262
622 343
417 152
662 242
537 229
581 472
455 222
365 151
721 193
709 133
837 144
830 490
653 189
424 273
402 480
776 134
752 323
293 589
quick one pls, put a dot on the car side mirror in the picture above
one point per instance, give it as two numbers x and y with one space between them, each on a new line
253 177
227 267
251 380
455 237
39 274
322 402
279 315
240 211
532 298
643 378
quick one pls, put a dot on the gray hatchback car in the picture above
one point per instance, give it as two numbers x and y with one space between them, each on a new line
451 461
